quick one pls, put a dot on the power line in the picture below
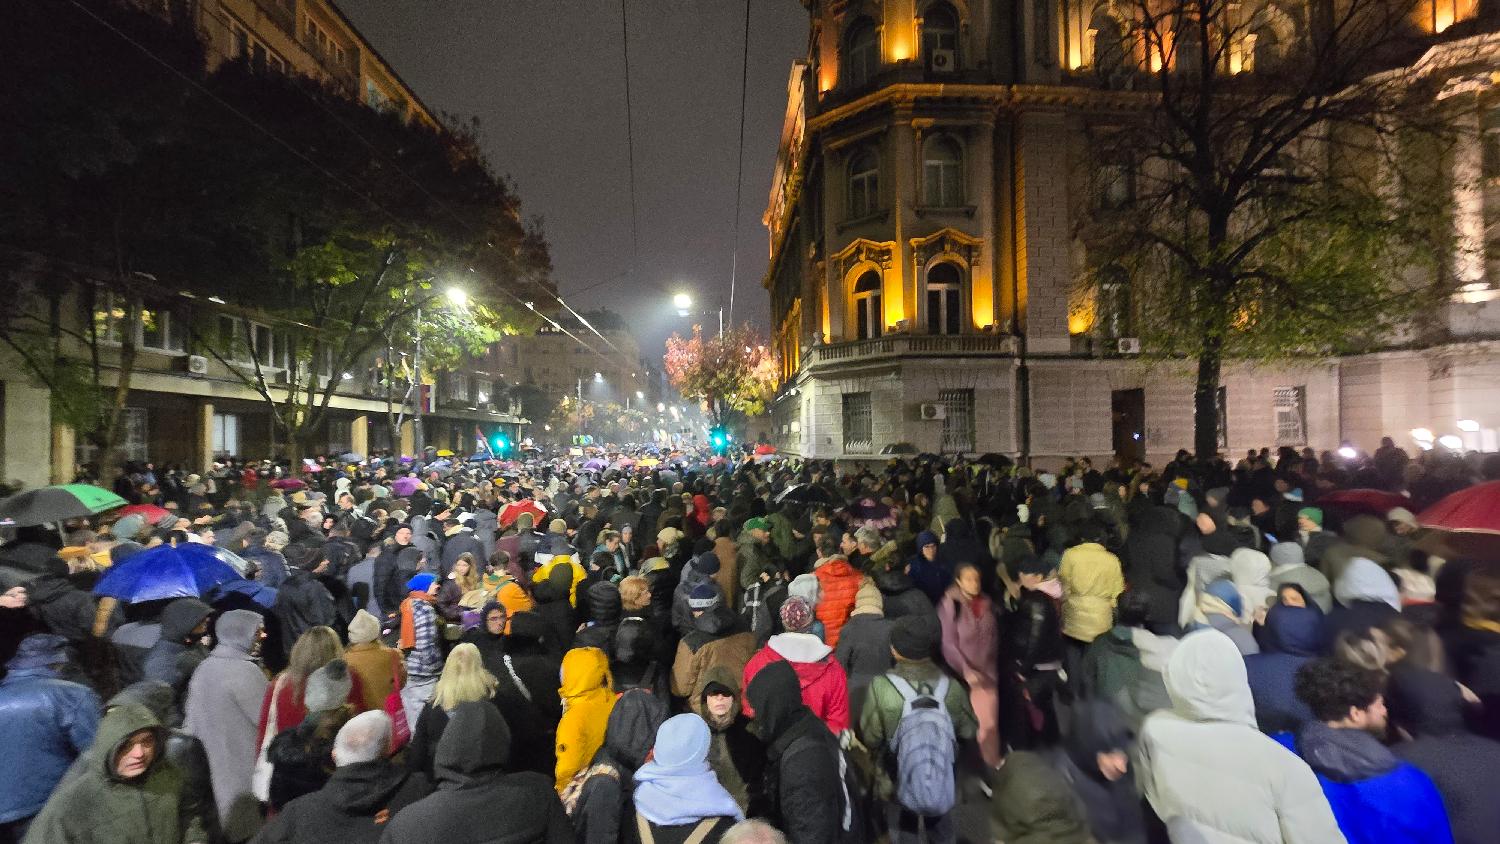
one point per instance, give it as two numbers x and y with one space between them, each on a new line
739 175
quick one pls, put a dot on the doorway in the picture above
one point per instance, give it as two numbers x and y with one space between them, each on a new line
1128 422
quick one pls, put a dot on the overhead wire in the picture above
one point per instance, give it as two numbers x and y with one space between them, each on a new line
739 174
635 240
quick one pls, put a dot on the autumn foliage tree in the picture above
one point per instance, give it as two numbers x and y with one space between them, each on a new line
735 372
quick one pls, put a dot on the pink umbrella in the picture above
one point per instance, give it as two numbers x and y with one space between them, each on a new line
288 483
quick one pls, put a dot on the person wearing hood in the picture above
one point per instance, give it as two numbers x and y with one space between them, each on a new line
302 756
527 694
458 540
1287 566
364 791
602 793
1250 570
824 685
1209 773
1150 564
1366 597
179 652
1290 638
1204 568
1094 761
223 709
477 798
53 600
865 646
1034 804
1376 797
971 647
927 573
1220 606
700 570
380 669
899 593
677 797
587 693
553 607
50 721
302 601
562 558
128 791
737 757
1427 712
718 637
604 605
1115 667
805 788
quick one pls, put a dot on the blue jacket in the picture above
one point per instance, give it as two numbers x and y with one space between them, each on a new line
1376 798
1290 637
48 723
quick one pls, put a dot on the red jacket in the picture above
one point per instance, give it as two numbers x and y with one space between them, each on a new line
840 583
825 690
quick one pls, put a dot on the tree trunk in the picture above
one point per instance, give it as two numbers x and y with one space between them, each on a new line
1206 397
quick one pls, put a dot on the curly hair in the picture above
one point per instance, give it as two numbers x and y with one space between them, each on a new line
1330 687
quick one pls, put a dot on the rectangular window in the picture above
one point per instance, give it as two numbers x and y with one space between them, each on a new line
458 387
163 330
944 183
226 435
241 42
340 435
958 420
483 390
265 344
133 434
858 433
109 317
1290 405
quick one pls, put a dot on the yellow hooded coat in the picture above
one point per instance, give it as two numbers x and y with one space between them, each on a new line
588 695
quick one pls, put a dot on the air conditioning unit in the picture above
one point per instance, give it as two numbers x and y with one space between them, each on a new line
944 61
933 412
197 364
1128 345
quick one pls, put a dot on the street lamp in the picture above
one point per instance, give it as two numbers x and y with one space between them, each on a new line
684 303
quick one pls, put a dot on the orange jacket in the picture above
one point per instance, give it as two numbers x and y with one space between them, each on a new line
840 582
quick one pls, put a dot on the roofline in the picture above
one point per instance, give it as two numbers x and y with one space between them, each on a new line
386 65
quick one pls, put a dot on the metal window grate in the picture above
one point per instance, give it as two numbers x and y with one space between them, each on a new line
858 432
958 420
1291 415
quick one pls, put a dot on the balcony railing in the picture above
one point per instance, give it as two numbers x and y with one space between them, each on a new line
912 345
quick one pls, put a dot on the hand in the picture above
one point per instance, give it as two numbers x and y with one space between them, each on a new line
14 598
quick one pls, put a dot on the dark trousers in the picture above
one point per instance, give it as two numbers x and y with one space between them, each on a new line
911 828
15 831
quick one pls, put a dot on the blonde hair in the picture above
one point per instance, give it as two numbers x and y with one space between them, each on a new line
635 593
466 582
314 649
464 679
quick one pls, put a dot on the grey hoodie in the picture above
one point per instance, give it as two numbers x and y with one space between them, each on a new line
223 710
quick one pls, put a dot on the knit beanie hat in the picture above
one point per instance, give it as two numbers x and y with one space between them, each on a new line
363 628
1313 514
668 536
707 562
756 523
421 582
328 687
914 636
926 538
1219 542
1286 554
704 597
868 602
128 527
807 587
277 539
796 616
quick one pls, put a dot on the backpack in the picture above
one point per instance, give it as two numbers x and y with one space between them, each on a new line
924 746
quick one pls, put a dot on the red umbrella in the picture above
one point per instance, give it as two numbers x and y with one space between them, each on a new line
1470 519
765 448
288 483
150 512
1376 502
510 512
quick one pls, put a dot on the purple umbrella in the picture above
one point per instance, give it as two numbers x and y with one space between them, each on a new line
596 464
405 486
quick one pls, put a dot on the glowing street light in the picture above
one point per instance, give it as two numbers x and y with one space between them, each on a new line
682 301
1468 425
458 297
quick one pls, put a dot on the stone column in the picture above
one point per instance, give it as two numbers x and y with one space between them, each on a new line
205 436
1466 174
359 435
64 439
408 443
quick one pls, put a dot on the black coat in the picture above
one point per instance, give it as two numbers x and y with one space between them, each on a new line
1150 563
900 596
345 810
390 589
553 607
1429 707
534 713
302 603
455 546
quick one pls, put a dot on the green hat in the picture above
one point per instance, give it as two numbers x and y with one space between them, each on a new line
756 523
1313 514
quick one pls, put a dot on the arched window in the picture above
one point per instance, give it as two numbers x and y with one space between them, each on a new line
1270 41
867 314
861 53
940 37
1107 44
864 183
942 173
944 305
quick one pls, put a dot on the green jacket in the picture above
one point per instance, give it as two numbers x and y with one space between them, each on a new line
752 559
97 806
1033 804
882 710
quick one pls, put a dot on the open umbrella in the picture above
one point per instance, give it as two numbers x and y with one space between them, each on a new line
1375 502
871 513
512 511
184 571
445 452
57 503
765 448
998 461
404 486
596 464
351 457
292 484
804 494
150 512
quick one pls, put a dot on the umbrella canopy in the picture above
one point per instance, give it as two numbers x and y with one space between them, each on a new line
351 457
871 513
150 512
765 448
184 571
288 484
804 494
999 461
404 486
512 511
1472 510
1376 502
596 464
56 503
445 452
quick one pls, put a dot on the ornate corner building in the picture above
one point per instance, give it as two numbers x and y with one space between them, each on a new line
925 263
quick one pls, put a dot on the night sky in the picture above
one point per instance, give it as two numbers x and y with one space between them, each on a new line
546 80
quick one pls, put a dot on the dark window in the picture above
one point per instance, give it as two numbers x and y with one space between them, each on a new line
940 37
858 429
867 316
942 173
861 53
944 309
864 184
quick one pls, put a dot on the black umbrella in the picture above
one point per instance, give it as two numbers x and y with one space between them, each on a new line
804 494
998 461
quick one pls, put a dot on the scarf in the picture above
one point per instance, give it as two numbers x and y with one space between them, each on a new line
683 794
408 623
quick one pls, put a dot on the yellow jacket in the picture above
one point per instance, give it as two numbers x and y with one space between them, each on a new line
588 695
1092 581
542 571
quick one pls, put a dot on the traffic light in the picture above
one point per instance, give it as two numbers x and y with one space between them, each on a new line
499 443
718 439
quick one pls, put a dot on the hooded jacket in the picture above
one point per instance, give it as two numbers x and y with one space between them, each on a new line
840 582
824 686
49 723
149 809
601 812
1376 797
1290 638
1208 771
587 698
1430 708
1150 562
737 757
172 660
718 637
808 796
604 605
532 712
223 711
899 593
1366 597
1092 581
477 801
1033 804
553 607
353 808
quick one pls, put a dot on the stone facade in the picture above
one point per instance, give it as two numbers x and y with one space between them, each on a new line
925 262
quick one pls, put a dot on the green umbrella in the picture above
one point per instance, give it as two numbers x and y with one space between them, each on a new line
56 503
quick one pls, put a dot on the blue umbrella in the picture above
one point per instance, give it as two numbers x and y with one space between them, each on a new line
185 571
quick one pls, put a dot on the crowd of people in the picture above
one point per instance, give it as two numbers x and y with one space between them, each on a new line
759 650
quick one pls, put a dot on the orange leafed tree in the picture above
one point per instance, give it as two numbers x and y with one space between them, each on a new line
734 372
